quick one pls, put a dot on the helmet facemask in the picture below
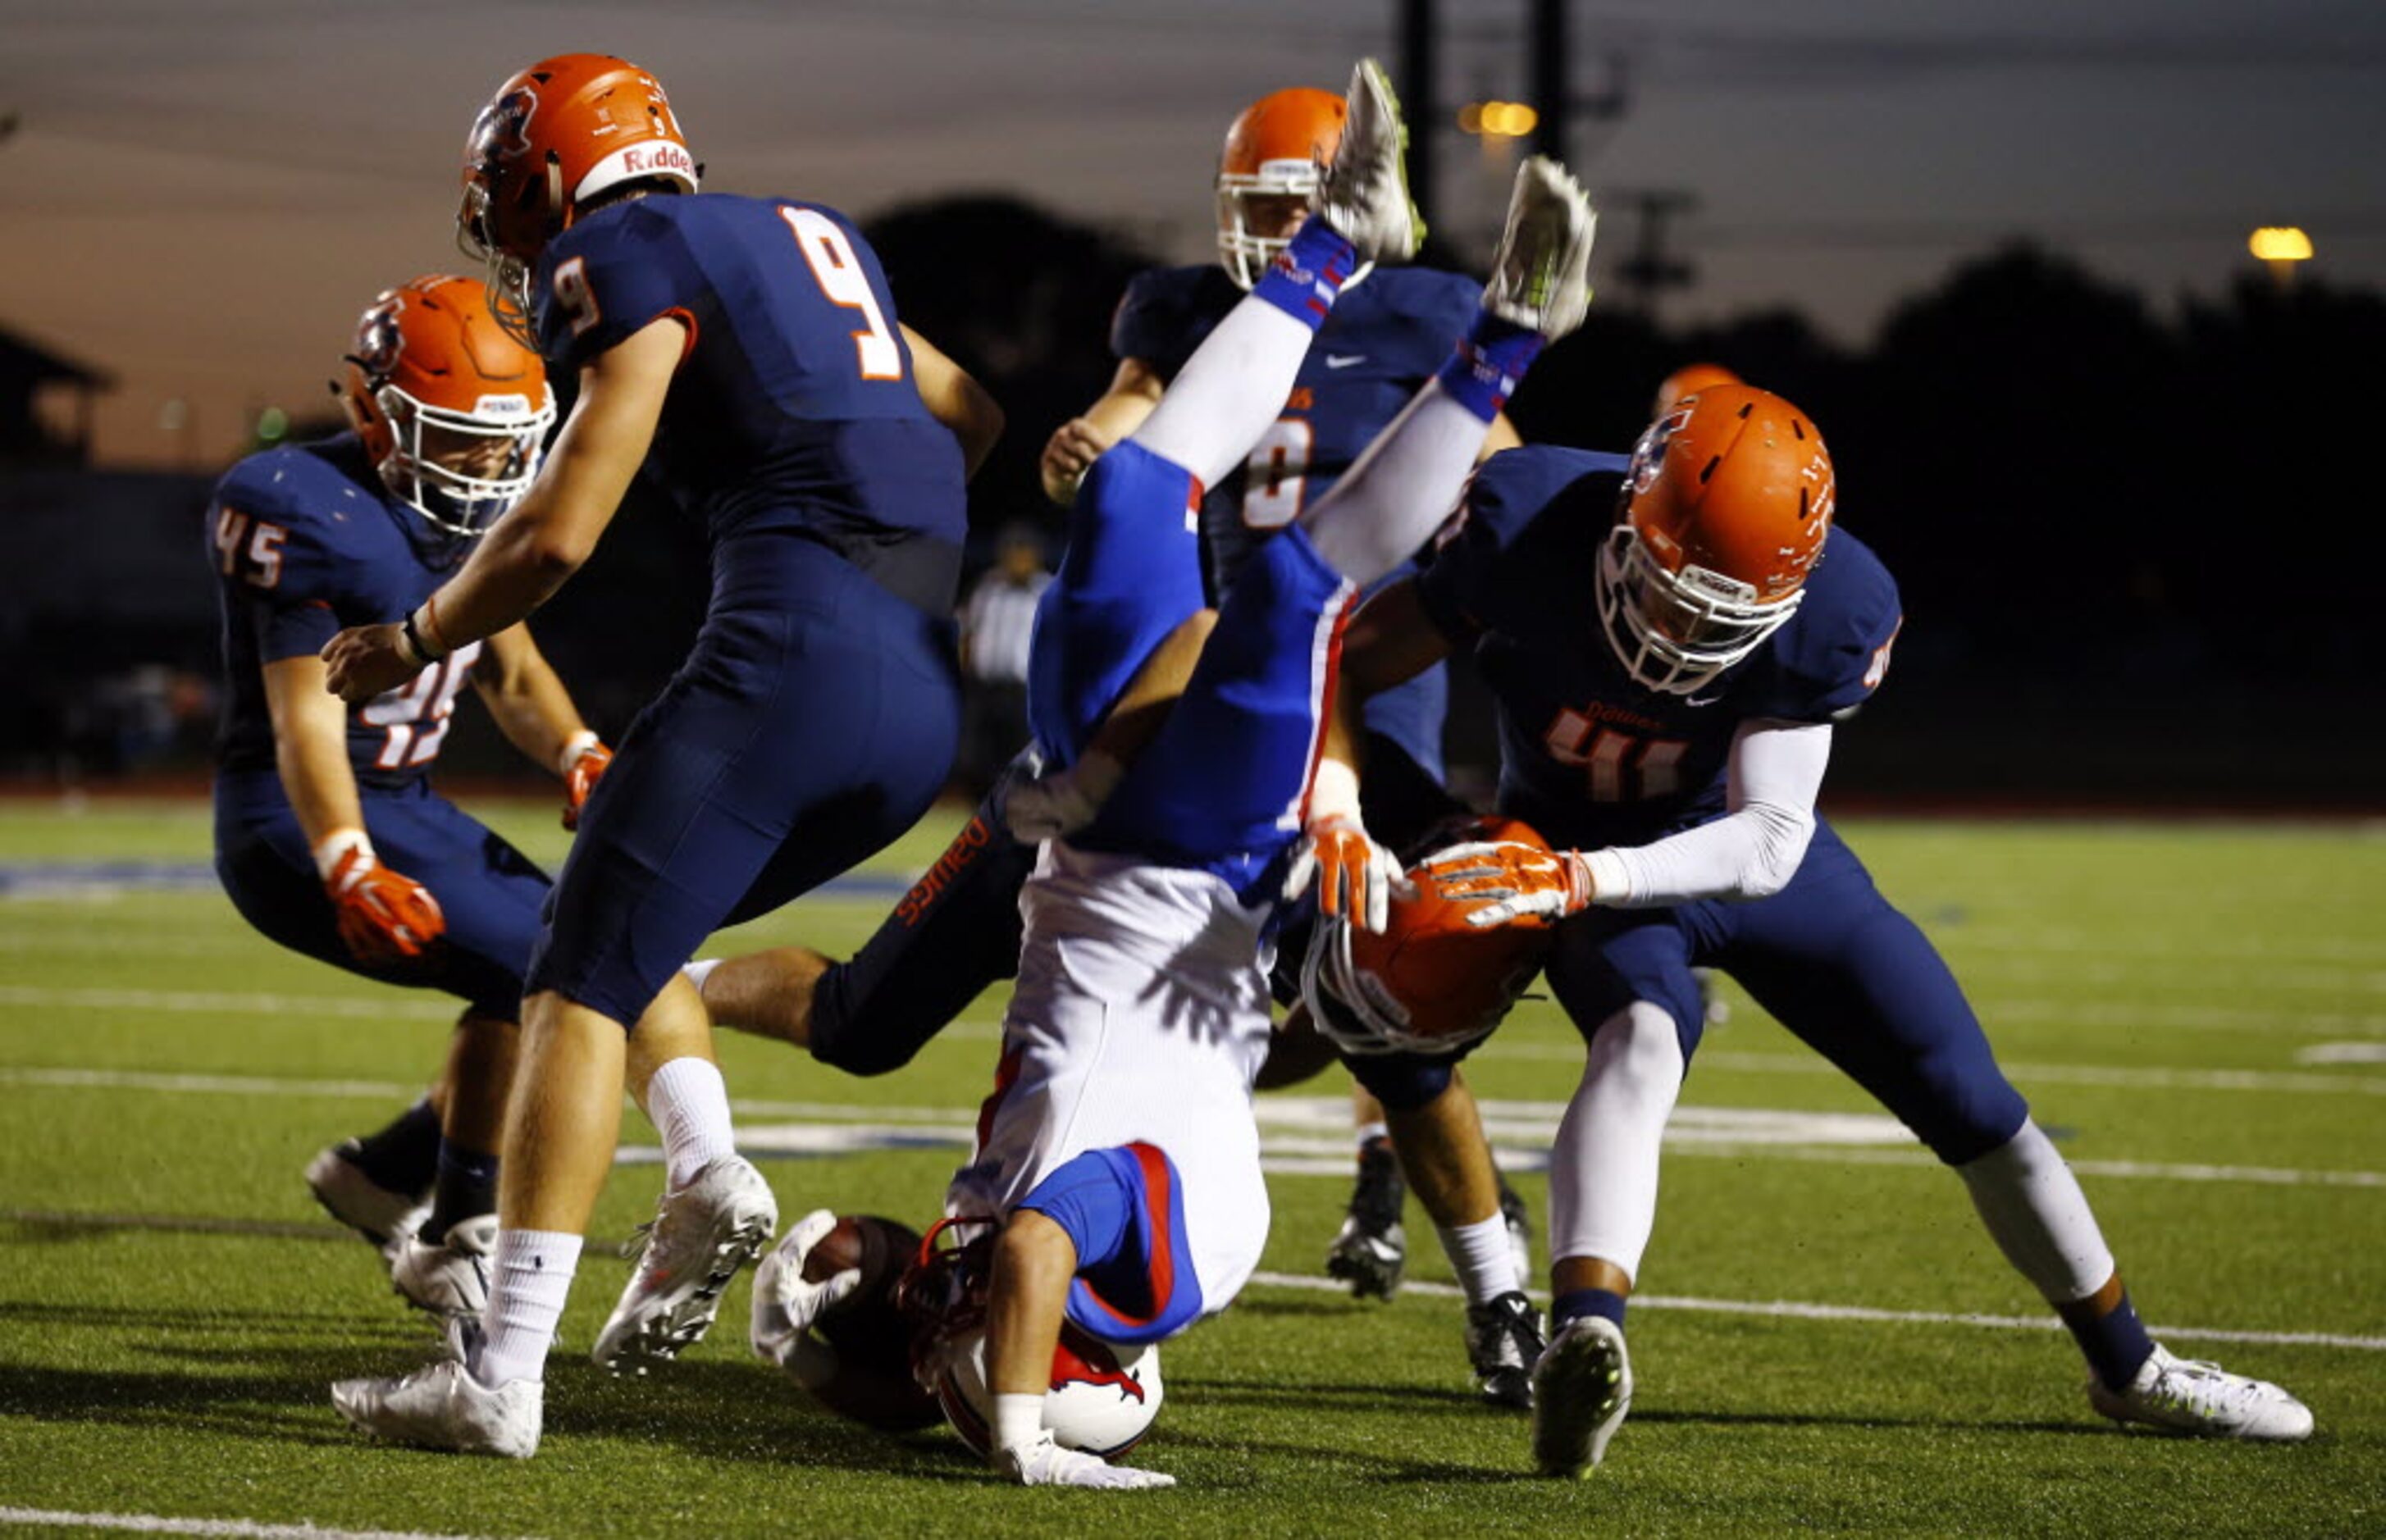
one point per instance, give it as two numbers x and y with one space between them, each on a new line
1676 631
1245 253
461 470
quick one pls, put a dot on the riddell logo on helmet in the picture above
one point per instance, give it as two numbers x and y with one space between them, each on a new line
664 157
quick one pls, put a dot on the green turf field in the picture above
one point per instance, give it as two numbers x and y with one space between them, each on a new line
2198 1013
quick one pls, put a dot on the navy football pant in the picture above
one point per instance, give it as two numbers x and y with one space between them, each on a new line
489 891
813 722
1830 959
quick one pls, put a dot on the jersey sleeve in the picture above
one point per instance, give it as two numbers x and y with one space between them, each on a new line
1160 318
274 563
609 283
1474 573
1836 652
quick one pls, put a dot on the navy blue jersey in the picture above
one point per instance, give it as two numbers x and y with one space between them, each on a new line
306 541
794 405
1387 335
1589 756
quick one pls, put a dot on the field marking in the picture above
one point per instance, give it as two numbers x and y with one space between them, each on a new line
1795 1309
2343 1052
1520 1131
156 1523
207 1002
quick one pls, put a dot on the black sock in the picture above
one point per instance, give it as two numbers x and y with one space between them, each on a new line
402 1157
1574 1304
468 1188
2115 1342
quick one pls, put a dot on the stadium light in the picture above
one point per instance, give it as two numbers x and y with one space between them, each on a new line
1498 120
2281 246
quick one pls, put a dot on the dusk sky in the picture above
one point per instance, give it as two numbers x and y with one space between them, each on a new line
199 198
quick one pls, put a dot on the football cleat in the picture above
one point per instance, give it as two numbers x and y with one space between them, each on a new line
1582 1387
443 1407
386 1219
2188 1395
1372 1250
1366 194
1519 1220
1504 1343
700 1236
450 1277
1541 276
1044 1464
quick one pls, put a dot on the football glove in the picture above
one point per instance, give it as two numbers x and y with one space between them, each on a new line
382 916
786 1307
1356 878
584 762
1044 1464
1505 882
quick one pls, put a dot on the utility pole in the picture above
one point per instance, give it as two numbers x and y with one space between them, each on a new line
1546 60
1652 268
1420 63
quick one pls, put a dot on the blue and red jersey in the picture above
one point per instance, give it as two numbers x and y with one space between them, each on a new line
794 407
306 541
1589 756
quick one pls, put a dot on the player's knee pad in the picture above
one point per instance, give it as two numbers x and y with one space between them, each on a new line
1401 1081
1966 1110
846 1036
1639 1052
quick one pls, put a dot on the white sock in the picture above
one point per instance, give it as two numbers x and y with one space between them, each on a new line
528 1284
1603 1170
2039 1217
688 1103
1018 1419
1484 1257
1401 490
1229 390
699 970
1365 1134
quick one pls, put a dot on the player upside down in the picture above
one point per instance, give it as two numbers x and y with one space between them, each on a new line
1119 1147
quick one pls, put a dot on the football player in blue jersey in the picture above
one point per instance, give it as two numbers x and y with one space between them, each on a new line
329 838
746 355
1665 726
1118 1153
957 932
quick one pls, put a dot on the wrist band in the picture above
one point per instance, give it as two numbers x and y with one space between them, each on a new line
335 846
575 747
410 639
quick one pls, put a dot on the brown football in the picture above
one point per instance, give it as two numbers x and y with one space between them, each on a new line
873 1382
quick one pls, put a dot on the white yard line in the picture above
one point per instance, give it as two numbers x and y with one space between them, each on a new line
156 1523
1805 1310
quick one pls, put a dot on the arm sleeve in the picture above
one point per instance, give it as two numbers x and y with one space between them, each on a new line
1751 851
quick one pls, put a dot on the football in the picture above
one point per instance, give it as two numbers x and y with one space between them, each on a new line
872 1381
1431 980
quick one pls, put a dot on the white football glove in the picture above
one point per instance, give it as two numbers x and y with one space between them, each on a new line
1044 1464
1356 878
786 1307
1059 803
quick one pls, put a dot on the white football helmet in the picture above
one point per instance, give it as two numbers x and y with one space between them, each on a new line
1102 1401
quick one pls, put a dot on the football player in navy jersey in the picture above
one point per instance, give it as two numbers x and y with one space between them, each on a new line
329 838
1665 726
957 932
746 354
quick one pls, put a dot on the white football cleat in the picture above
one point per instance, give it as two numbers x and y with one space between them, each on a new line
2188 1395
386 1219
451 1278
1582 1387
1541 276
443 1407
1364 195
699 1237
1044 1464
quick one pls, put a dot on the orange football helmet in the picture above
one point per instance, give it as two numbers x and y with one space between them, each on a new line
1430 984
1725 510
1277 149
452 409
552 136
1688 379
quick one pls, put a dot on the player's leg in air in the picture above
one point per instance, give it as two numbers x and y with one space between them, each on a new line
1843 970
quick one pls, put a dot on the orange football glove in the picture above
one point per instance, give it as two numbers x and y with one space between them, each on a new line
1509 882
382 916
1356 878
585 758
